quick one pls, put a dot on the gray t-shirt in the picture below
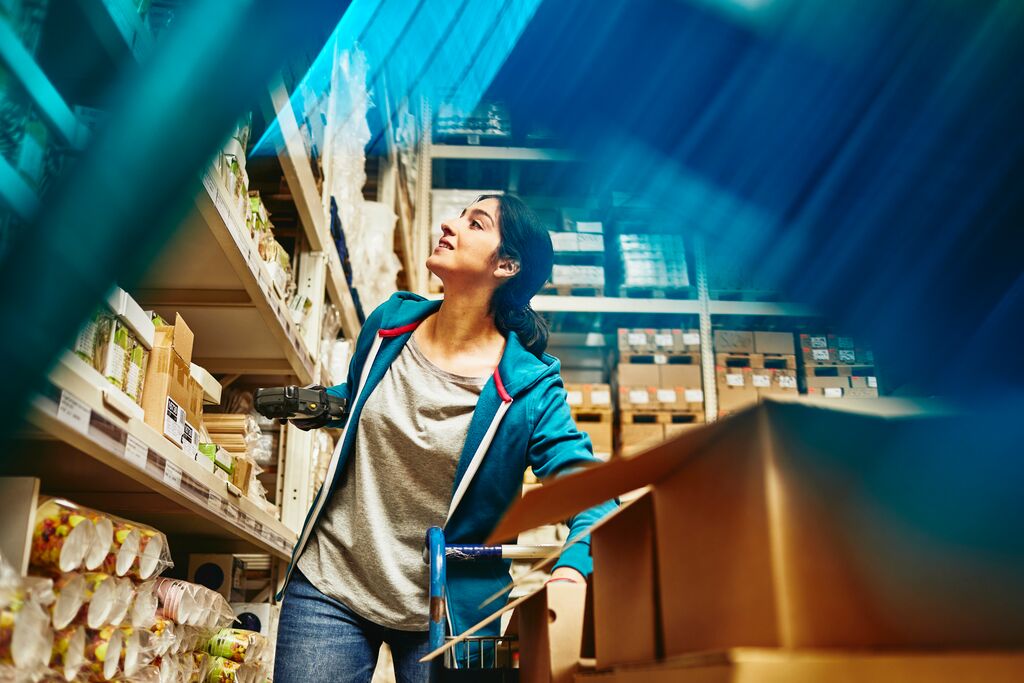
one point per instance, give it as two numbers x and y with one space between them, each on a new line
366 551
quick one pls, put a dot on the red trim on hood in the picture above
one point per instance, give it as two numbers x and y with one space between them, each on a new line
501 387
396 331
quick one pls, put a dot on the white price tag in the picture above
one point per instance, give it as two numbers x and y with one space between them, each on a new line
660 359
638 396
73 412
833 392
636 339
734 380
819 342
762 380
847 356
574 398
694 396
666 396
136 452
174 420
600 398
819 354
787 381
691 339
663 340
873 382
172 475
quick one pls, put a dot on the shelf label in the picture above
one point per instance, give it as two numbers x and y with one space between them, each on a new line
663 340
873 382
636 339
174 420
638 396
73 412
660 359
833 392
847 356
666 396
213 501
762 381
819 342
600 398
691 339
210 186
574 398
136 452
694 396
819 354
172 475
787 381
734 380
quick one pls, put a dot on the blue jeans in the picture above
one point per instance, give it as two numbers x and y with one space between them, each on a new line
319 639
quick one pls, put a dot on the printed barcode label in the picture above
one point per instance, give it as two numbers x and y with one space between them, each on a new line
694 396
691 339
173 420
819 342
833 392
787 381
73 412
636 338
847 356
734 380
600 398
819 354
638 396
873 382
172 475
136 452
666 396
660 359
762 381
663 340
574 398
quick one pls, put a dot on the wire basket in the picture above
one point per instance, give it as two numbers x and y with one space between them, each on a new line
488 659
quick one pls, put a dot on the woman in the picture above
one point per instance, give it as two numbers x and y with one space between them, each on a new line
449 403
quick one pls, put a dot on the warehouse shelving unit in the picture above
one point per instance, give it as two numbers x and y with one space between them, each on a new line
81 444
703 306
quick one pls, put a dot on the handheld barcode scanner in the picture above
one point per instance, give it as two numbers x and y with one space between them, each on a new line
294 402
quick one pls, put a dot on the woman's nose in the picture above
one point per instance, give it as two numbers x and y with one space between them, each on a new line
446 229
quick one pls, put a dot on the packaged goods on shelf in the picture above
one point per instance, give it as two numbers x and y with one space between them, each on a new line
837 366
172 399
653 261
572 275
489 122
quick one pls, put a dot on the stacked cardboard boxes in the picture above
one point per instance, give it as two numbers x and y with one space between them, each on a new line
752 365
836 366
769 547
579 251
173 398
659 385
591 406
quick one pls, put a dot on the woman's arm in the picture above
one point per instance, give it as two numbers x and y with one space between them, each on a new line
557 447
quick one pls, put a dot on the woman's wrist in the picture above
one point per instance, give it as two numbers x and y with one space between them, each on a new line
566 574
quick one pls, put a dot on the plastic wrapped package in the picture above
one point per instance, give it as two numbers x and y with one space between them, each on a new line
163 636
137 651
264 453
62 536
101 595
70 592
237 644
144 606
229 671
334 357
103 652
124 594
68 653
177 600
26 639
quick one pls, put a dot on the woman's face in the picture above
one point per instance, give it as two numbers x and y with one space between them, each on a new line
468 248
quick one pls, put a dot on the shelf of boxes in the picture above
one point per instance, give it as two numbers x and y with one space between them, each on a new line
750 365
107 459
837 367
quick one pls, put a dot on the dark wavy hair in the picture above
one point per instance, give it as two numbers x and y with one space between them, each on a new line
525 239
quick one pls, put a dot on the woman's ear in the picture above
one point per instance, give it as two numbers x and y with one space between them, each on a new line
507 267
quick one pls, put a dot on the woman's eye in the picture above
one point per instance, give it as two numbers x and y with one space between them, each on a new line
476 224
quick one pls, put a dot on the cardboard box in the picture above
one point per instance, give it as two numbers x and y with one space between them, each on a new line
822 382
674 430
635 397
733 341
749 665
636 438
167 395
574 395
638 374
680 376
590 243
597 395
861 392
550 625
600 436
219 572
177 336
625 592
774 342
798 524
636 340
564 241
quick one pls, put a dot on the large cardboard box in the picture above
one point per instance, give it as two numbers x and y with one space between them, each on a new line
550 625
633 397
643 374
804 524
637 438
748 665
625 592
680 376
600 434
822 382
774 342
172 399
733 341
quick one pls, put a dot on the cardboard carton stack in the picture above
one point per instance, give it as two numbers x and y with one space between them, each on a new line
788 543
659 385
837 367
236 434
579 252
591 406
752 365
172 398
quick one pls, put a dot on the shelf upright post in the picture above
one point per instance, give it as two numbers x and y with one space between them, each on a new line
298 468
424 181
707 352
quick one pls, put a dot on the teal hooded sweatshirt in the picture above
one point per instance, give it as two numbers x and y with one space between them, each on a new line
521 420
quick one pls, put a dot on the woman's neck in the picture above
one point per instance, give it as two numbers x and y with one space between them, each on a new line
463 321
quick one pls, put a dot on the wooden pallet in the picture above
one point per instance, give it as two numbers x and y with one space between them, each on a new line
592 414
658 292
572 290
660 358
662 416
839 370
769 361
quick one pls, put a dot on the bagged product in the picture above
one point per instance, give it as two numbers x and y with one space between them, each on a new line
70 592
112 347
135 377
26 640
103 652
62 538
237 645
68 653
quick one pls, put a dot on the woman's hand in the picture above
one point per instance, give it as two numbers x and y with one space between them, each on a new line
566 574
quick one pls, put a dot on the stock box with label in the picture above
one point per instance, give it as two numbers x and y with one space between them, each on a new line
803 525
550 630
733 341
777 343
638 374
